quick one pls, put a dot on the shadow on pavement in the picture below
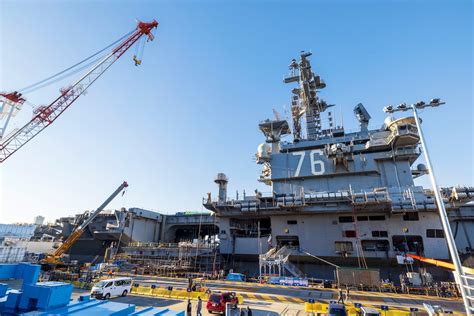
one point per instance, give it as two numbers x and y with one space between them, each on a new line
256 312
146 301
261 303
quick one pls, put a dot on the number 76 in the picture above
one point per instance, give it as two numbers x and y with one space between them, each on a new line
317 165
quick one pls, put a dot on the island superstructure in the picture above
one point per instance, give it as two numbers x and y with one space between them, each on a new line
346 197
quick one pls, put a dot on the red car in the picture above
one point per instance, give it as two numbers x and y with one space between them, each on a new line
217 302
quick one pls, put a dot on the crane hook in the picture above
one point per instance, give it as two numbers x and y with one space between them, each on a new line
137 61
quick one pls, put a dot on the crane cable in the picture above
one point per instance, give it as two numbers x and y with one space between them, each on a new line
47 83
44 82
141 48
138 56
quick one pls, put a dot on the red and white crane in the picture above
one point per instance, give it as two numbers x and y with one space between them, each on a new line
11 104
45 115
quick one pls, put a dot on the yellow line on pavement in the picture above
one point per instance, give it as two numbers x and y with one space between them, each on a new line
266 297
250 296
272 298
278 299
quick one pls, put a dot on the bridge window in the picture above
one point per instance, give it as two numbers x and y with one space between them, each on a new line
376 218
365 218
434 233
291 222
346 219
411 216
343 246
379 233
408 243
375 245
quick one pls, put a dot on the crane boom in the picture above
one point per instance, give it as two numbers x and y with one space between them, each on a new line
45 115
439 263
54 258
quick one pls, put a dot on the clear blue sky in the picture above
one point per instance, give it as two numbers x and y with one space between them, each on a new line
215 70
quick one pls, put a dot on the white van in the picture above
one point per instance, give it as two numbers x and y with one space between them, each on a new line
107 288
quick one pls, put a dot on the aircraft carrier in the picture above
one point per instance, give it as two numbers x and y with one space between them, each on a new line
338 197
345 197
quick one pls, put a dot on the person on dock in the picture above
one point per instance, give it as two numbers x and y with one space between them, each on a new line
189 308
199 307
347 294
340 298
249 311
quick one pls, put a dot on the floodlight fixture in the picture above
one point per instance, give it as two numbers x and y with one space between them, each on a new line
388 109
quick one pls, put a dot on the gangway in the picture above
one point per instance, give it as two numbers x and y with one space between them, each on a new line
277 261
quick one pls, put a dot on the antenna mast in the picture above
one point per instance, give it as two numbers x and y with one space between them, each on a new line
305 100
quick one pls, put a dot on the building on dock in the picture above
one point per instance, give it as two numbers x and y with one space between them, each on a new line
14 239
133 230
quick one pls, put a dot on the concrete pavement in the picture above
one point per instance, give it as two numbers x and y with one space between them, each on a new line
297 296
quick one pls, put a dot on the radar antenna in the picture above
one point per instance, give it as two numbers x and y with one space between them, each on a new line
276 115
362 116
305 100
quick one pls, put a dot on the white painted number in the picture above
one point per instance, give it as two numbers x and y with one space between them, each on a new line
300 162
317 165
315 162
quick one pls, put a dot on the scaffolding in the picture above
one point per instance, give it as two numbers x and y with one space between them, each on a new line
171 259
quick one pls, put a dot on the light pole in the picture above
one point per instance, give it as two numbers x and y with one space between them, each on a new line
461 278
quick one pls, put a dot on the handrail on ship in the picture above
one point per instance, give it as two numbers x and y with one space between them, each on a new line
170 245
341 195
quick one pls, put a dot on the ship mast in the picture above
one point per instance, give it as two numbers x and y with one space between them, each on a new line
305 100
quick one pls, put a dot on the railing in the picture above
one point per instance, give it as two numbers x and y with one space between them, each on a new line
238 198
170 245
282 257
190 219
468 284
370 197
349 134
408 197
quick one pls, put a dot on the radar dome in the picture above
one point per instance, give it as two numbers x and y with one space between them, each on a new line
421 167
387 122
263 152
